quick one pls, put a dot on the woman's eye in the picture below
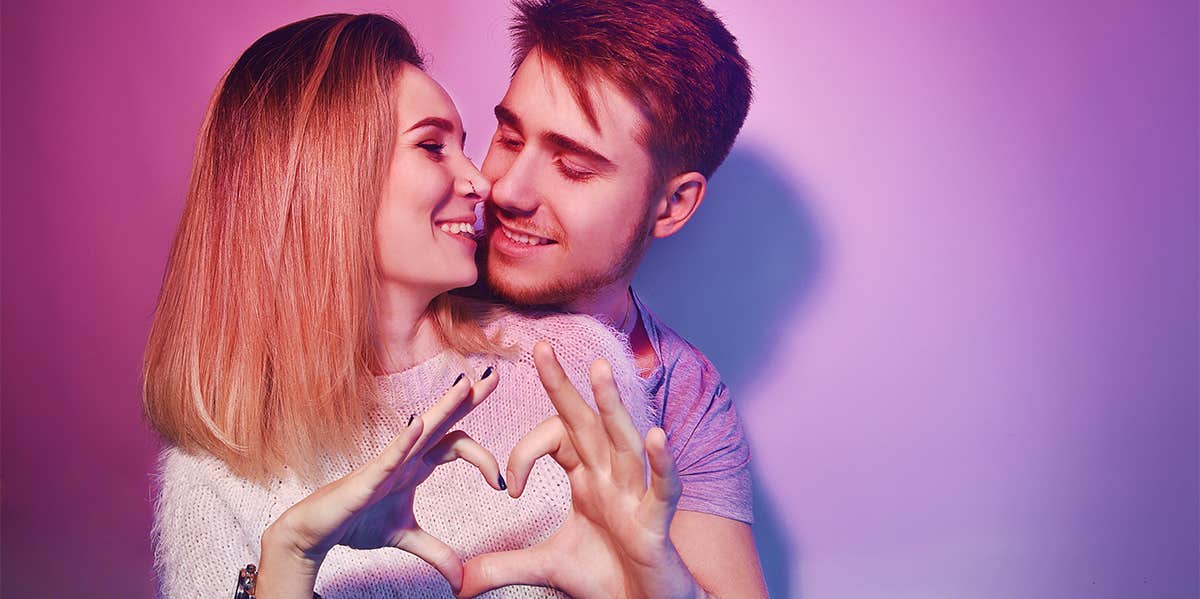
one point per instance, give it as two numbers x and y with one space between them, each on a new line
434 148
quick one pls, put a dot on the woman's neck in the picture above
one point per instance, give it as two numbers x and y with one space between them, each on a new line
405 335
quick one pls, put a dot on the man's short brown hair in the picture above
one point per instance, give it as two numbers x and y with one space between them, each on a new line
673 58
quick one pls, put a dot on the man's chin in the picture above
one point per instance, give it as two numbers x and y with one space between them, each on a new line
521 291
519 294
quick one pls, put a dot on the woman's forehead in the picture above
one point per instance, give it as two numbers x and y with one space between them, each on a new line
420 97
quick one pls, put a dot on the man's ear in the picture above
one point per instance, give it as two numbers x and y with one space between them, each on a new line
682 195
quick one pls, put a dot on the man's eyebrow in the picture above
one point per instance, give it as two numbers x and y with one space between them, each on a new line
566 144
557 140
507 117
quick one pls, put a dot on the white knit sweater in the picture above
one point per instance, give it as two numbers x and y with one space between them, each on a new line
209 522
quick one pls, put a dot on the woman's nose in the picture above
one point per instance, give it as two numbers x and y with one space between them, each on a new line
472 184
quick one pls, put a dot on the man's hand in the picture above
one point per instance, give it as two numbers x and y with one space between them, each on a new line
615 540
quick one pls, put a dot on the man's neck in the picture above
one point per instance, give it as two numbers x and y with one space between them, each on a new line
614 305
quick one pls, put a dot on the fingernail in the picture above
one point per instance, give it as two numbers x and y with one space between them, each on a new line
460 378
486 373
411 417
503 485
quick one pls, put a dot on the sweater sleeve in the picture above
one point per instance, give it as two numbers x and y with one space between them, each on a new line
199 542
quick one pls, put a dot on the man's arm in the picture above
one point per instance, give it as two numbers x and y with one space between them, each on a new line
720 554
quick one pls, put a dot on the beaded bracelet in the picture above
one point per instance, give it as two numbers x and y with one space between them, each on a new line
247 579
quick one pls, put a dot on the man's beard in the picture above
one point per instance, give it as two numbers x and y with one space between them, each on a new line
575 285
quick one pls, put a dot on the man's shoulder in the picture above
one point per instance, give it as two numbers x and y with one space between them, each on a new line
675 351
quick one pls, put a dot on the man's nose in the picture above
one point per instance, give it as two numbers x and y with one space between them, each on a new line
514 192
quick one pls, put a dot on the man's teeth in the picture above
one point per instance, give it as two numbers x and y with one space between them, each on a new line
525 239
467 229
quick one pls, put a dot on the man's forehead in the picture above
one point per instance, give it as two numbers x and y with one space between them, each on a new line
541 97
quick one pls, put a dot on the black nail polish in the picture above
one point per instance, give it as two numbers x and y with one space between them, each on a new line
503 485
411 417
460 377
486 373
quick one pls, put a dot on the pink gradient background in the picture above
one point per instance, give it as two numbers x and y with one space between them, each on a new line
951 271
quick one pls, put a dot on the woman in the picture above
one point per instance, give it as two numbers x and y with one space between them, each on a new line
303 326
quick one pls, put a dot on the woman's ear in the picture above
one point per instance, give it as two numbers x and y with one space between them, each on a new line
682 195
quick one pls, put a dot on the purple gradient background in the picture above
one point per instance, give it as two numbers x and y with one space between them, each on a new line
951 270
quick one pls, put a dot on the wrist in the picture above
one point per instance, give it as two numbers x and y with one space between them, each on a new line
285 570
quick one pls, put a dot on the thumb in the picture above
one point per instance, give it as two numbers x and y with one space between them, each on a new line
494 570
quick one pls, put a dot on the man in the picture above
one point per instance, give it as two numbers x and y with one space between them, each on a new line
617 114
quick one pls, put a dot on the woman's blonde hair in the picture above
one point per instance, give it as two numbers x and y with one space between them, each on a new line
262 349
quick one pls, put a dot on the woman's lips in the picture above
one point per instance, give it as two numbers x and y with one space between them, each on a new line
461 231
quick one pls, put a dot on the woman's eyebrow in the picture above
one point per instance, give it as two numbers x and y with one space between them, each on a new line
434 121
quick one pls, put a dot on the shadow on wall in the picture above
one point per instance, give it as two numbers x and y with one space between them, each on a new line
727 282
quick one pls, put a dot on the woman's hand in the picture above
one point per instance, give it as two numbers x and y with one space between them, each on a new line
372 507
615 541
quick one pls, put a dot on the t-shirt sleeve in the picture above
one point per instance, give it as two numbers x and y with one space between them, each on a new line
199 545
707 441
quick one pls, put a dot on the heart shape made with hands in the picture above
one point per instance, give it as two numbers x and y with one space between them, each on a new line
614 542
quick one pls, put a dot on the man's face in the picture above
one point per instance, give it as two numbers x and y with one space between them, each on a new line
569 212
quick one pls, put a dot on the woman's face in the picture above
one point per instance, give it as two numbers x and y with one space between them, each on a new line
425 226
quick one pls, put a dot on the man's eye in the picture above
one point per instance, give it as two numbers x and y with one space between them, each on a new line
511 143
572 173
434 148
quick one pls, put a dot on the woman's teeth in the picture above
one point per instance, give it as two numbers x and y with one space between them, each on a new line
465 229
525 239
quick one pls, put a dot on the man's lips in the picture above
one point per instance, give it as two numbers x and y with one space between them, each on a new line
516 243
519 236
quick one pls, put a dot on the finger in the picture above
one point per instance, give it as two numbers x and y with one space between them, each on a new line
494 570
658 504
441 411
435 553
567 401
375 479
581 422
462 397
545 439
458 444
625 443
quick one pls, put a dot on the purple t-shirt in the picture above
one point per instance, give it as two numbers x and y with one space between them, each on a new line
704 433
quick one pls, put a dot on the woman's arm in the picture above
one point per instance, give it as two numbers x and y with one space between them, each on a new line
198 542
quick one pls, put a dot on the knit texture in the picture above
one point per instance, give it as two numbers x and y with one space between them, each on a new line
209 522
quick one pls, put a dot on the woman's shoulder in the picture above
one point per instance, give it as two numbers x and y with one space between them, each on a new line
177 465
189 477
